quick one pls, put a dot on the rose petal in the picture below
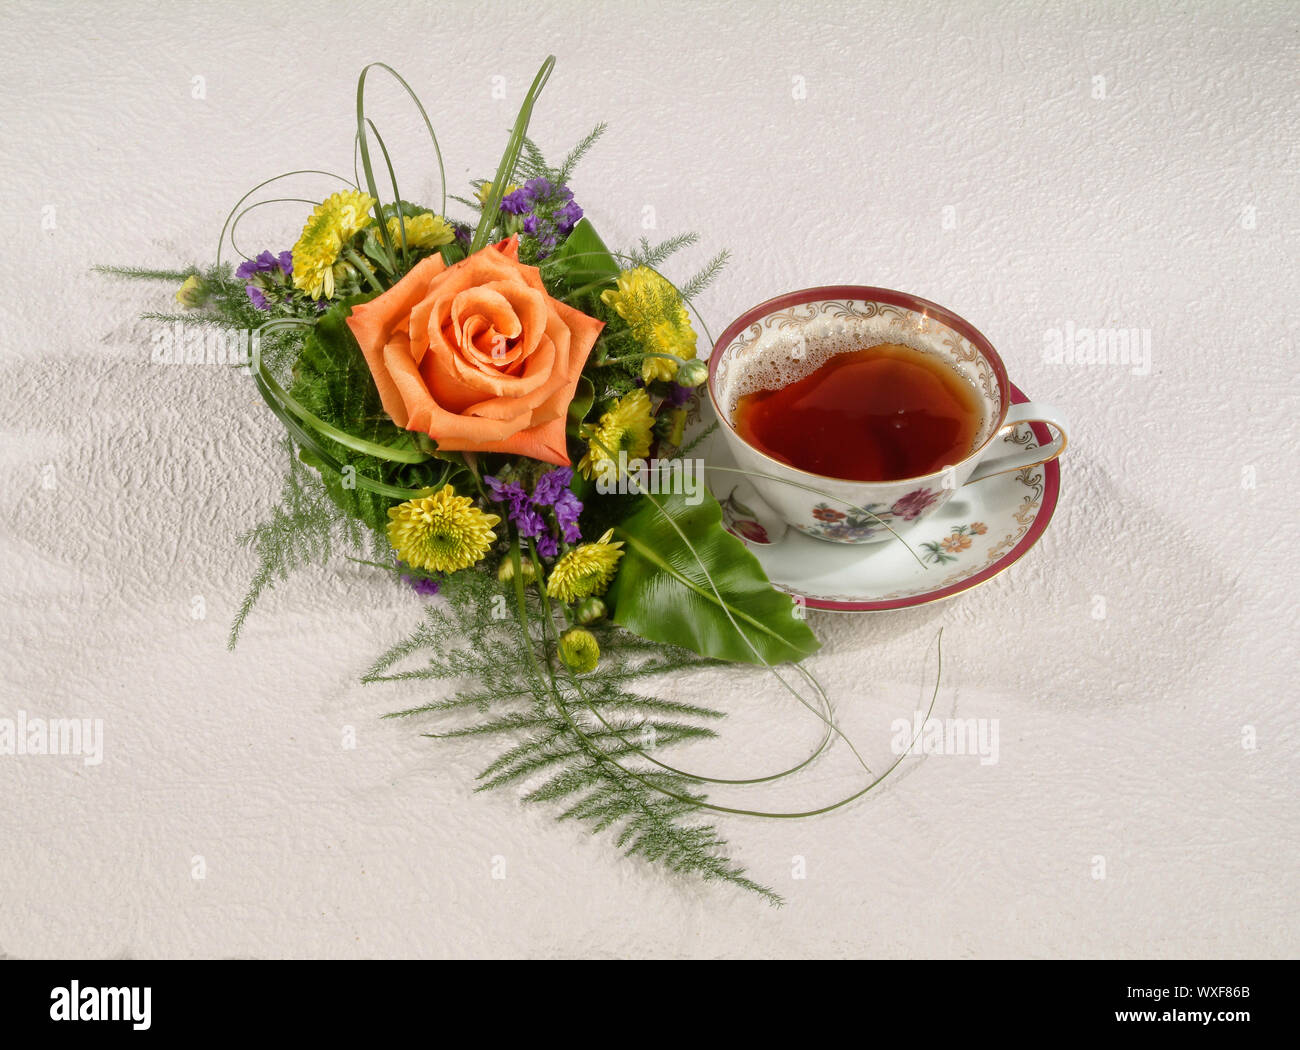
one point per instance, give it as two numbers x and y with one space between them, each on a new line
431 343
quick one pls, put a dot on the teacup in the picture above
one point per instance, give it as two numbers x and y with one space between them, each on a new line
787 338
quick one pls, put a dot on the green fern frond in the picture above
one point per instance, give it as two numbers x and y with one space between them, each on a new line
532 163
303 529
142 273
654 255
579 151
554 763
505 724
699 438
705 277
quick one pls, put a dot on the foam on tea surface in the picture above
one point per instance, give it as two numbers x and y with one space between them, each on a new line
881 413
780 356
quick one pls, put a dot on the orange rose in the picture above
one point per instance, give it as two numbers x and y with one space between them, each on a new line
477 354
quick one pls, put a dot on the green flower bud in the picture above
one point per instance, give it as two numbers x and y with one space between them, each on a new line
192 294
579 650
591 609
691 373
506 570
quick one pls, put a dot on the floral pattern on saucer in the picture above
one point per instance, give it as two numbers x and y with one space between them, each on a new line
835 524
957 542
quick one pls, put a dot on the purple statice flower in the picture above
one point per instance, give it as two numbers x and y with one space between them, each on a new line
547 211
463 234
520 508
422 585
539 189
266 263
506 491
567 509
566 217
517 203
678 395
264 272
529 521
552 490
551 484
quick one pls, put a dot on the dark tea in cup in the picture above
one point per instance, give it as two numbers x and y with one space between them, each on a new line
881 413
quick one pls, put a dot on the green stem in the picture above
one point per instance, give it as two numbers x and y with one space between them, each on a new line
311 444
590 287
637 357
351 256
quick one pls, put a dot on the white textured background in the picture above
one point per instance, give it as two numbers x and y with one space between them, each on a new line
1121 737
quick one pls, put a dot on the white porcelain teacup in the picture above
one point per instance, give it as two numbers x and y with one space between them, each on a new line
787 338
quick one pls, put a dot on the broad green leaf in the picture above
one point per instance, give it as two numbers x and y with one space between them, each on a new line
583 398
452 253
372 248
663 591
583 257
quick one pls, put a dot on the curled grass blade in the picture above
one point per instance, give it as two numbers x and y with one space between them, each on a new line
366 448
363 144
234 226
274 178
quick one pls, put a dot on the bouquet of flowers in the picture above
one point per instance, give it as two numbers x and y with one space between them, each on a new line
492 407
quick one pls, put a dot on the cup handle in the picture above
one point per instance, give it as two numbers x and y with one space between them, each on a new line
1028 412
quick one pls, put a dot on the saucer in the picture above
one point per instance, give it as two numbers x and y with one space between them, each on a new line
980 532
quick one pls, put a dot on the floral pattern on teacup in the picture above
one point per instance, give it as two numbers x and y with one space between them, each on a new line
854 525
914 504
741 521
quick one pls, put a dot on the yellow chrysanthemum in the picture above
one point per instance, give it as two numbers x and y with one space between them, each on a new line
585 570
624 428
675 337
441 533
658 319
424 230
336 220
485 191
